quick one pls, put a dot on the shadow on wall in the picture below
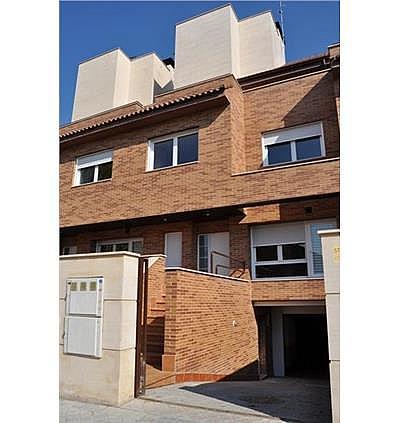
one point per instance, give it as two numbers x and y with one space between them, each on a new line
294 400
318 104
155 341
158 89
312 209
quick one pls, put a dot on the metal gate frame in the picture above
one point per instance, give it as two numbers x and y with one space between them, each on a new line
141 328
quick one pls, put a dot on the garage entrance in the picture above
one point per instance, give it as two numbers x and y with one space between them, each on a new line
305 345
293 340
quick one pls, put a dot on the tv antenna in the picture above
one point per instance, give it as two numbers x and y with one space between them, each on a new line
280 12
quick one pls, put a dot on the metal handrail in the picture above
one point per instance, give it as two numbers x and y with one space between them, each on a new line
242 262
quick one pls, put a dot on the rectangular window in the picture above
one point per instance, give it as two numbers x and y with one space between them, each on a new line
163 154
203 253
315 245
279 153
93 168
288 250
134 245
173 150
281 270
293 144
69 250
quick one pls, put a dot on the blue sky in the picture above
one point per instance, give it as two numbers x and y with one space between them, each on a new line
137 27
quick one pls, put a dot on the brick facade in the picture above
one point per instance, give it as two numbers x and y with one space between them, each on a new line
229 168
295 290
210 327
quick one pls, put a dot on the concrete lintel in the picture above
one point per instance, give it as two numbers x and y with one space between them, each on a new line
287 303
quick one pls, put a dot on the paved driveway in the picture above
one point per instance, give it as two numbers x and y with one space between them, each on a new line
146 411
271 400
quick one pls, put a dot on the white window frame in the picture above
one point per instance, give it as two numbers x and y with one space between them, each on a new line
72 249
209 247
308 254
90 160
280 259
118 241
198 249
291 135
174 137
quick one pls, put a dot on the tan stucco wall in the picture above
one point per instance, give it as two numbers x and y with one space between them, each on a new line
217 43
261 46
95 85
331 263
113 79
109 379
212 44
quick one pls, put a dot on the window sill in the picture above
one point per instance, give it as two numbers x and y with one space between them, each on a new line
313 159
293 278
286 166
171 167
92 183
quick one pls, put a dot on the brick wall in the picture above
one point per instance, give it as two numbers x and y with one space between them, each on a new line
312 289
289 212
290 103
200 338
238 228
156 281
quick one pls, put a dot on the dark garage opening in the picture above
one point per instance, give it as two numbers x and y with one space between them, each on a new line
305 345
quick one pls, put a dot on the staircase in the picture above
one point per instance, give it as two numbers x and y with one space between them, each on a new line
155 332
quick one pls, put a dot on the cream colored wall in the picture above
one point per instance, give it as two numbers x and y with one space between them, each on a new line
216 43
203 47
122 80
113 79
163 76
213 44
95 85
142 74
235 45
261 47
331 264
109 379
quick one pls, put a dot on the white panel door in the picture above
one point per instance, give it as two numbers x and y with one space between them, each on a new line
220 243
173 249
83 335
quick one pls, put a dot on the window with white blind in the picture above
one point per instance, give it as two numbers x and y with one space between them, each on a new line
316 258
291 250
293 144
134 245
93 168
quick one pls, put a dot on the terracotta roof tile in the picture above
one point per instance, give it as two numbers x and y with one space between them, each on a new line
65 133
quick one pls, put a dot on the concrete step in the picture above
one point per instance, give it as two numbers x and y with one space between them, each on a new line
157 313
155 349
155 330
155 339
154 321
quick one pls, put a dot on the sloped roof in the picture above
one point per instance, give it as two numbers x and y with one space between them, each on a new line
147 109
